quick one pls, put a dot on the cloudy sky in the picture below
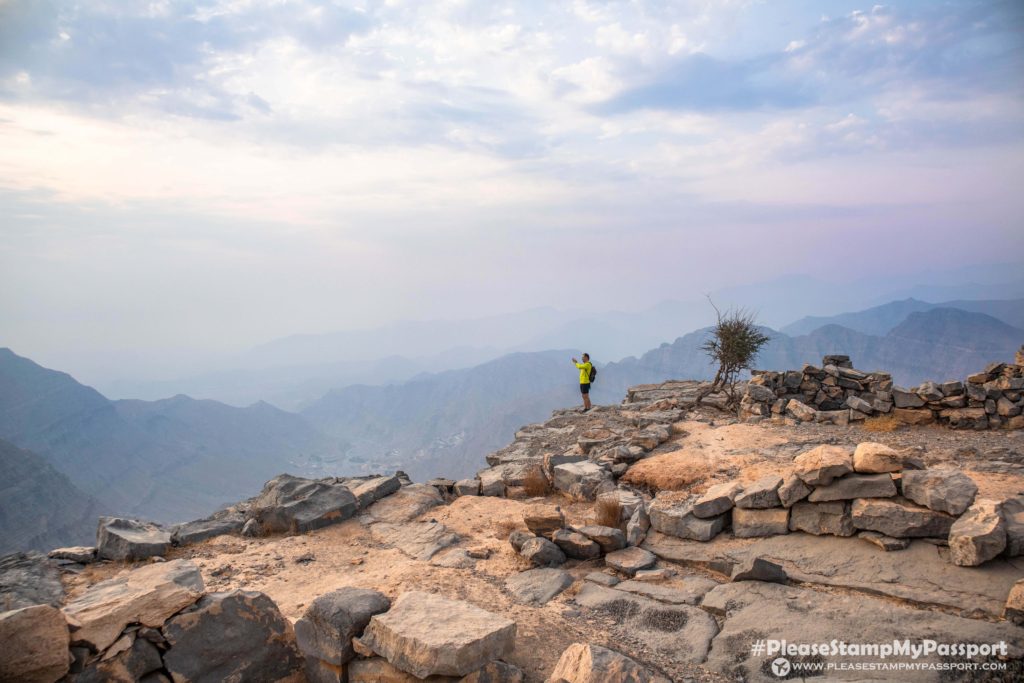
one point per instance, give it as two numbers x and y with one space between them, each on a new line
210 175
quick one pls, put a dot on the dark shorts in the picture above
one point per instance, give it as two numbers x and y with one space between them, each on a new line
585 388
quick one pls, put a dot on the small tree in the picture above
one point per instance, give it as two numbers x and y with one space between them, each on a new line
733 345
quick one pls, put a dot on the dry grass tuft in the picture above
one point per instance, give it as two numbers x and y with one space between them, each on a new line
536 484
882 423
608 511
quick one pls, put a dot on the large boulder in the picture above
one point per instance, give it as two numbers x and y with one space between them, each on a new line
147 595
426 635
855 486
330 623
118 538
875 458
218 524
543 519
763 493
582 479
609 538
540 552
899 518
34 645
716 500
587 663
28 579
978 536
949 491
675 518
295 504
239 635
753 522
575 545
630 560
820 465
822 518
537 586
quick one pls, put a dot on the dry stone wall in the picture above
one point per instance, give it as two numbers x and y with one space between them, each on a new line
839 393
874 492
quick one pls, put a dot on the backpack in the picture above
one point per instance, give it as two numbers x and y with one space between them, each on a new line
593 374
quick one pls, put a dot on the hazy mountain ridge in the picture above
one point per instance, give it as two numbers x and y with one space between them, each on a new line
169 460
879 320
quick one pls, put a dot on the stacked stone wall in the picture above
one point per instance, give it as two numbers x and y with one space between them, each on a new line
839 393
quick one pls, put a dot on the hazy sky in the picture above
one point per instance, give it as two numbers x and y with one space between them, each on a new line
216 174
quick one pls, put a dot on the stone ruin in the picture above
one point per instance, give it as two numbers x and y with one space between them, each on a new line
838 393
875 493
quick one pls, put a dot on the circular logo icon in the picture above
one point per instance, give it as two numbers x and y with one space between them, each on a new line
780 667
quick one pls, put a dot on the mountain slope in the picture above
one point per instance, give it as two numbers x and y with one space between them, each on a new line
168 460
40 508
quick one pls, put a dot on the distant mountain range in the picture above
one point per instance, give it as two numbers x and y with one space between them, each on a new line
446 423
881 319
180 458
168 460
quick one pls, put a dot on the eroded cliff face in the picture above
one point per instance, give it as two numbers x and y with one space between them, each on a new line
653 538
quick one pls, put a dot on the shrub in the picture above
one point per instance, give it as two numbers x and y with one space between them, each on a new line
734 344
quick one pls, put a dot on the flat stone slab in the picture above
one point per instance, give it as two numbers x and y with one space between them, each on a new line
677 630
922 573
689 590
757 611
418 540
537 586
405 505
630 560
147 595
426 634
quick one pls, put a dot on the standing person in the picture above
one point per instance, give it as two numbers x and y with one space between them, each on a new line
584 368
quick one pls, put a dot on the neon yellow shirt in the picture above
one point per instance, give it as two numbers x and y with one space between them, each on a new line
584 372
